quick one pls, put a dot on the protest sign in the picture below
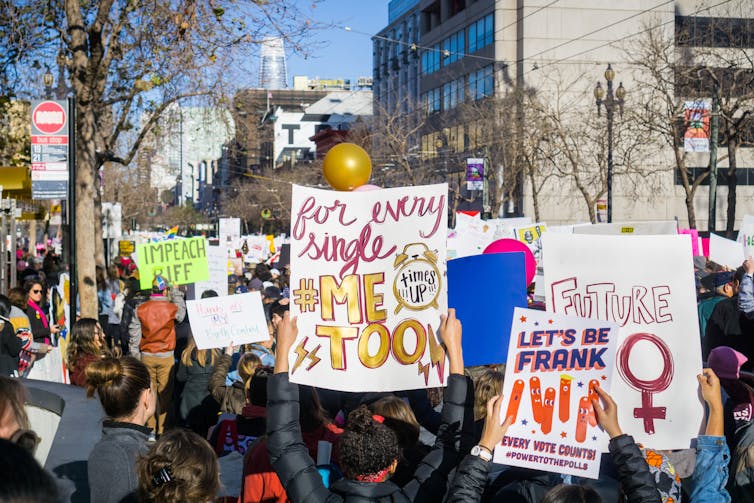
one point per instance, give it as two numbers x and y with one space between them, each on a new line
646 285
532 236
368 287
218 322
180 261
694 236
229 230
50 367
630 228
554 363
725 251
217 262
746 235
484 302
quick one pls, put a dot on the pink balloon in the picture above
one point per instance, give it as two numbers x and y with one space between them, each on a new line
366 188
511 245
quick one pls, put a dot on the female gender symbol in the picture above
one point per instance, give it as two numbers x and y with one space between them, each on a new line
647 411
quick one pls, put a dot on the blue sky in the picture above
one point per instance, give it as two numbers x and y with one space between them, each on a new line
339 53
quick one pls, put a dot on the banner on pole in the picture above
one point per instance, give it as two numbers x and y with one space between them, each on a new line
696 121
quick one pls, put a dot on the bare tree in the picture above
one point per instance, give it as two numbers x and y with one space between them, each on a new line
128 60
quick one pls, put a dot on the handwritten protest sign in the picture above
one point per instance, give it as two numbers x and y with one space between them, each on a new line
368 287
532 236
485 304
217 322
180 261
746 235
554 363
217 262
646 285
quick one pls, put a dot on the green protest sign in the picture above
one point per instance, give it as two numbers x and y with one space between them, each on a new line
180 261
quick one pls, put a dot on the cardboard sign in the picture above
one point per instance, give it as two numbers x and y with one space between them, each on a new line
532 236
484 290
646 285
180 261
368 287
126 248
725 251
218 322
630 228
217 261
554 363
229 230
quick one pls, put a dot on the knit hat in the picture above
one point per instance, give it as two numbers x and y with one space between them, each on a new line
726 362
159 284
256 284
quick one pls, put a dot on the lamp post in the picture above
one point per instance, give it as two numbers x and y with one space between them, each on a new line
610 101
48 79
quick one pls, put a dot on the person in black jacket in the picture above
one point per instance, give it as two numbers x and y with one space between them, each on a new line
365 464
637 482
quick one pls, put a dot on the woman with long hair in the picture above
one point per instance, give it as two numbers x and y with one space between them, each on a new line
124 390
41 328
86 344
196 409
232 399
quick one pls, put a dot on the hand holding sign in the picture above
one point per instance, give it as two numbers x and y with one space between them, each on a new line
607 417
450 335
287 332
493 432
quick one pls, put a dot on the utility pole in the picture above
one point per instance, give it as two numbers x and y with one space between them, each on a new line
714 133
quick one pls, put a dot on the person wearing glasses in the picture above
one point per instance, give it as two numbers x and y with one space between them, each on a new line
41 328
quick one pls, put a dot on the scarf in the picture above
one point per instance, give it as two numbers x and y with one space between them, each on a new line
40 313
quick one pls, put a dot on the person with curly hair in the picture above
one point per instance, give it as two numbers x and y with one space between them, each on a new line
85 345
179 468
369 449
124 389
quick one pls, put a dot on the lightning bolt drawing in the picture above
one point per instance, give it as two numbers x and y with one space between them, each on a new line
424 369
313 358
436 354
301 353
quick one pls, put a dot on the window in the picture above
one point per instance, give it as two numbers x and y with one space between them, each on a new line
431 100
431 60
481 33
481 83
453 46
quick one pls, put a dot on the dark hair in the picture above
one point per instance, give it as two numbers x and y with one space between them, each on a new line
18 297
366 446
29 284
311 413
4 306
571 494
22 480
119 384
256 394
209 293
82 341
180 467
278 308
739 274
13 397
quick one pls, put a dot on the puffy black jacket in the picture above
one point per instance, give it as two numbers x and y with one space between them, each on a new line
291 461
636 481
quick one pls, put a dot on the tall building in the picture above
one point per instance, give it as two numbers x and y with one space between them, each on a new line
454 59
273 73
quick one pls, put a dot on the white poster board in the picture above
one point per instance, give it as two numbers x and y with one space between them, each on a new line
229 230
368 287
49 368
646 285
218 322
217 259
630 228
726 251
554 363
745 236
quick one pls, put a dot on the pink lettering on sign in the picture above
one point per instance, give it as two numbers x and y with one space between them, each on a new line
640 305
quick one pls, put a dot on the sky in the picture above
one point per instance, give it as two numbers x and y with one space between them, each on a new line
339 53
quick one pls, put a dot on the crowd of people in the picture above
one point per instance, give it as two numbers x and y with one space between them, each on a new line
181 423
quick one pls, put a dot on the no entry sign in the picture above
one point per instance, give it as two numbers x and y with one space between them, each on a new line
49 117
49 149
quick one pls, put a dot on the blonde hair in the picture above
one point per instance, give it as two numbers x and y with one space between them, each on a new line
489 383
246 367
399 417
201 354
180 467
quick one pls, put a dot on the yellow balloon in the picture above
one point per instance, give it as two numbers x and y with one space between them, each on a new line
347 166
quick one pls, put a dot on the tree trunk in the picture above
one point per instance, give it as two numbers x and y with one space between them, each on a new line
99 242
732 184
690 209
86 163
534 195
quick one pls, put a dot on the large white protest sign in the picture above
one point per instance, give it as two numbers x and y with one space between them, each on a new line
218 322
229 230
630 228
745 235
646 285
554 363
217 261
368 287
726 251
49 367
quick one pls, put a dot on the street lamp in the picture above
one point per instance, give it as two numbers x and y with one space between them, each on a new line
609 101
48 79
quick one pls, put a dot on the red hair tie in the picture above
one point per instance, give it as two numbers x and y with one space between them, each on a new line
378 418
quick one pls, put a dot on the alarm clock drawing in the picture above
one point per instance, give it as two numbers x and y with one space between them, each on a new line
417 282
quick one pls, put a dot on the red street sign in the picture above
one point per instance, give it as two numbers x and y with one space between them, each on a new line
49 117
49 140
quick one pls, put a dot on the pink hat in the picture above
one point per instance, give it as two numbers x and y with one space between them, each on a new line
726 362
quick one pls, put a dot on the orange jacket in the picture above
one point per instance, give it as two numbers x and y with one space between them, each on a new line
157 317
